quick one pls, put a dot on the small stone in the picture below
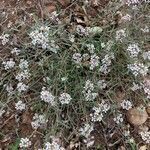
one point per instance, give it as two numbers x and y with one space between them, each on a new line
137 116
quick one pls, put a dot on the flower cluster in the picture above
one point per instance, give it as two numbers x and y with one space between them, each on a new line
53 145
88 91
145 136
86 130
146 87
101 84
94 61
120 35
133 50
118 119
138 69
8 64
46 96
65 98
4 38
125 18
15 51
146 55
38 121
135 87
20 105
77 58
9 88
24 143
99 111
40 37
125 104
1 112
21 87
106 62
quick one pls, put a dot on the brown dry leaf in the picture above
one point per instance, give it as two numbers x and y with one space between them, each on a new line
137 116
64 3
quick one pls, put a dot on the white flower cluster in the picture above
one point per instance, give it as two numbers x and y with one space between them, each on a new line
99 111
101 84
106 62
146 87
94 61
118 119
138 69
23 75
88 91
2 111
146 55
145 29
86 130
38 121
40 37
125 104
145 136
91 48
8 64
77 58
4 38
47 97
21 87
15 51
135 87
133 50
23 64
20 105
9 88
135 2
65 98
81 30
25 143
120 35
54 145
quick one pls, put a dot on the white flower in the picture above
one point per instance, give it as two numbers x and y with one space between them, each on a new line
91 48
72 38
99 111
81 30
23 64
39 121
24 143
46 96
118 119
120 35
2 112
146 87
9 88
125 104
20 105
135 87
138 69
86 130
65 98
22 87
77 58
145 136
145 29
15 51
146 55
94 61
4 38
8 64
101 84
23 75
133 50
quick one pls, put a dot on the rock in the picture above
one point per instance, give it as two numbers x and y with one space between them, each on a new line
137 116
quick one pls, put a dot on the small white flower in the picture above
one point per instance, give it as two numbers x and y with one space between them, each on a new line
9 88
135 87
120 35
118 119
8 64
2 112
125 18
63 79
23 64
72 38
4 38
77 58
46 96
94 61
20 105
145 29
125 104
81 30
39 121
86 130
15 51
103 45
24 143
22 87
145 136
133 50
65 98
101 84
23 75
138 69
91 48
146 55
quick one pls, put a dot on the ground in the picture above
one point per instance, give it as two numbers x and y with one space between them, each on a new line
74 75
